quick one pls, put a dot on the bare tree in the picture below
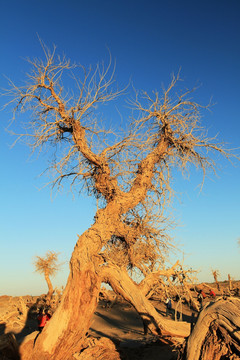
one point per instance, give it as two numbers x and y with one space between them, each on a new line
216 275
229 283
48 265
123 170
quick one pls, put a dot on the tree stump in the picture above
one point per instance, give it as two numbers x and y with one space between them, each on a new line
216 335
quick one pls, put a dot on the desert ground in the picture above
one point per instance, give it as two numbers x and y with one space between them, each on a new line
120 323
123 326
115 320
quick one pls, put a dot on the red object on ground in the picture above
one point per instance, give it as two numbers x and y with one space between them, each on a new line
42 320
212 293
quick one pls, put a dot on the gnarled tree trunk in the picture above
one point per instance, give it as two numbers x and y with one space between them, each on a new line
65 333
122 284
216 334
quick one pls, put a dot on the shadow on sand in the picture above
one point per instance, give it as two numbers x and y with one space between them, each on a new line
131 343
11 341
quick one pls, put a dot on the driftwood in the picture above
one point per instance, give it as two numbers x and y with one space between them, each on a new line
216 334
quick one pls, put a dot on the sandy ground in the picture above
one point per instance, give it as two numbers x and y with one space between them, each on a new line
123 326
120 323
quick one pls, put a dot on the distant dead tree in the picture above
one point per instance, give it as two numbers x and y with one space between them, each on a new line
229 283
48 265
124 170
216 274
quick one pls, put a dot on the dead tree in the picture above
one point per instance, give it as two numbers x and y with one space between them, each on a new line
121 170
48 266
229 283
216 275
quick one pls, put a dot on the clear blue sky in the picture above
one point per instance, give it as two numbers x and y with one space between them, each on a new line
149 39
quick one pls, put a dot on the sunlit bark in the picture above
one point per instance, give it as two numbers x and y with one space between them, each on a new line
216 334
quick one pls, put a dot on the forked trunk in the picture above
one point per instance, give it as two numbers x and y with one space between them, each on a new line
122 284
216 334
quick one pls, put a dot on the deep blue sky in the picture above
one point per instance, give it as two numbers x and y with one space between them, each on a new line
149 40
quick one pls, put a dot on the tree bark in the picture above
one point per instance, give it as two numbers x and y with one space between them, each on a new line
122 285
216 334
64 334
100 349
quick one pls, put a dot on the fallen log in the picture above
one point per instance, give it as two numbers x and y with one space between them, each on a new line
216 334
157 324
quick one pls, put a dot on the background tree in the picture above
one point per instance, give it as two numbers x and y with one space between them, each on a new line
216 275
229 283
48 265
123 170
